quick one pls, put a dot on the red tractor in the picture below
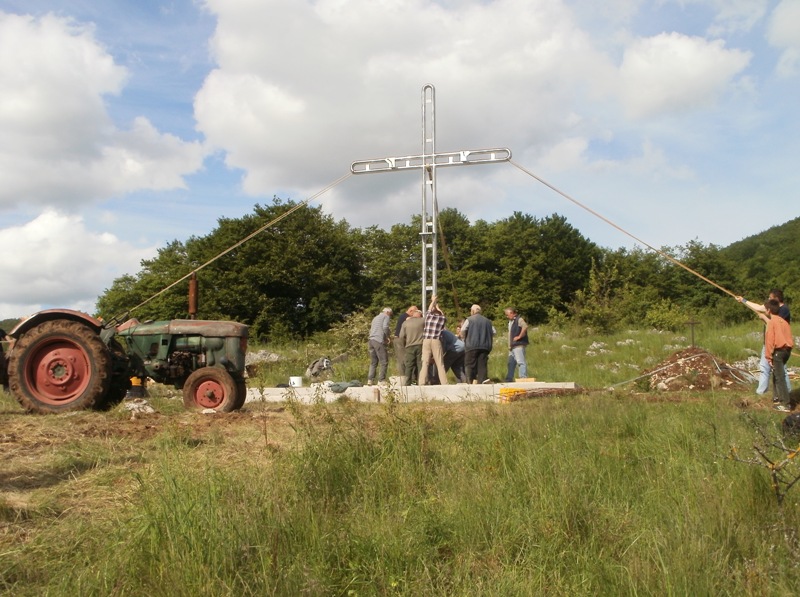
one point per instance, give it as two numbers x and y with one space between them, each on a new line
61 360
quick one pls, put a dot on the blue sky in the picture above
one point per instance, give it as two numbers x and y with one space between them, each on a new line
125 125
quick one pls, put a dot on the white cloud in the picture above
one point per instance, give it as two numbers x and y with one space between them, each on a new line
784 32
142 158
41 60
653 163
736 15
56 261
671 73
565 155
60 148
304 88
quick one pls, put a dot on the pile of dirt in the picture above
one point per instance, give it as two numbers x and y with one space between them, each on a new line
696 369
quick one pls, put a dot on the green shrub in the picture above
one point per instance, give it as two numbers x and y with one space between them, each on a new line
665 315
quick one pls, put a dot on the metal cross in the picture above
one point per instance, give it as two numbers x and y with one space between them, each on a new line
428 161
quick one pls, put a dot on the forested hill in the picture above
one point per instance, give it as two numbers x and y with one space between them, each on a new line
769 259
311 272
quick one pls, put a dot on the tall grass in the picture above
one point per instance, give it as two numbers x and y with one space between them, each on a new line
586 495
610 494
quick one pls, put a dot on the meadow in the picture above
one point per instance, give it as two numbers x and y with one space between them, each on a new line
624 492
572 354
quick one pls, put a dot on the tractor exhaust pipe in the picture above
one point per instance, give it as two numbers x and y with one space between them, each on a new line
193 296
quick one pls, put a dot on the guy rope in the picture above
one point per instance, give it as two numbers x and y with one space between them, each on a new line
610 223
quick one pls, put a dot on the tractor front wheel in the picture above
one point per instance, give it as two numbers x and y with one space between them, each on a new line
210 387
59 365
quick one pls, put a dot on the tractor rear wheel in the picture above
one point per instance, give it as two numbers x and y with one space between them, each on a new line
59 365
211 387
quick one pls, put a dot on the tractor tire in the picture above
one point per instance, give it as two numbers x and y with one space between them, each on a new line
58 366
120 376
241 393
211 387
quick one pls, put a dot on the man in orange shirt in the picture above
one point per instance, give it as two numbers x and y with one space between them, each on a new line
778 343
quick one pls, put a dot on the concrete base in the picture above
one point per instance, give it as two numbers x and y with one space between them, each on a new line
320 392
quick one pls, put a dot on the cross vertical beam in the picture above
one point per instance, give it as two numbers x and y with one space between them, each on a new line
429 161
428 234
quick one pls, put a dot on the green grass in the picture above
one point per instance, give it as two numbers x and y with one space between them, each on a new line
594 362
624 493
553 355
586 495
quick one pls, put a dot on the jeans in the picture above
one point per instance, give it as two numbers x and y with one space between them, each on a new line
516 356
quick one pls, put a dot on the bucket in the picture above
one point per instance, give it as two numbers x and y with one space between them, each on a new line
137 388
296 382
511 395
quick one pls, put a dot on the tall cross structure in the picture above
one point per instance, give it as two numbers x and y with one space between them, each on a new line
429 161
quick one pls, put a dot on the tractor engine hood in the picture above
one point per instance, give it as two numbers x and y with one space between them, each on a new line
184 327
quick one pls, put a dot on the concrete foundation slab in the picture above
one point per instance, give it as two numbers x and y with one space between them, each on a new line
321 392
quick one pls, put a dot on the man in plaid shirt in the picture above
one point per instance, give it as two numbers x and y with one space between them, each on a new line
432 342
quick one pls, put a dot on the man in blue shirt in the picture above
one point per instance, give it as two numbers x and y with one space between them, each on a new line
453 348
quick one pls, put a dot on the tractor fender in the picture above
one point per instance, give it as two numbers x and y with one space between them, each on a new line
51 314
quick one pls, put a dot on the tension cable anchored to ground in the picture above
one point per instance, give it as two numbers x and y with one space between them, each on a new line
625 232
269 224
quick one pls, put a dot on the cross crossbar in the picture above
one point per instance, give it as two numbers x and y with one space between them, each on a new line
452 158
429 161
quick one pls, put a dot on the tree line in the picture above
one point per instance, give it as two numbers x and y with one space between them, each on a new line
309 272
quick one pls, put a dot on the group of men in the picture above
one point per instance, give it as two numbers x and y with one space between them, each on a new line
778 344
426 350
